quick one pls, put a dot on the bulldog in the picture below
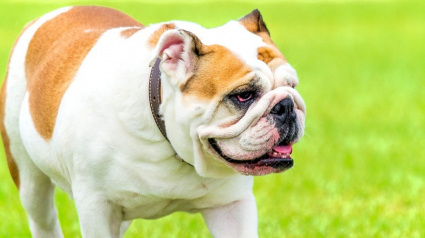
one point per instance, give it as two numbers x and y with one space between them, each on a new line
137 121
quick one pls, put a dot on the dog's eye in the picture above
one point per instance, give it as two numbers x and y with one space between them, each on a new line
245 96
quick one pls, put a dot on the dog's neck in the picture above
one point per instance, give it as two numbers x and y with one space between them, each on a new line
155 100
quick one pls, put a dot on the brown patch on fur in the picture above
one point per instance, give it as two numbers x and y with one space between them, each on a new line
127 33
13 167
154 38
56 52
217 68
271 56
267 54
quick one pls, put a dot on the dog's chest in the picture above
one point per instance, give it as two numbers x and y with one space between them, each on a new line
157 197
151 207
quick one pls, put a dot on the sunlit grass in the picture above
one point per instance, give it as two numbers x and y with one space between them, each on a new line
359 171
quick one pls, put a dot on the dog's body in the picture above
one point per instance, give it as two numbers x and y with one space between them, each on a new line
76 114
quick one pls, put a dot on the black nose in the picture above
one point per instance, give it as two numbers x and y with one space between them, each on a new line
283 111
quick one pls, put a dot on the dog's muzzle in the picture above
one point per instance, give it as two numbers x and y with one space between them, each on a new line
261 142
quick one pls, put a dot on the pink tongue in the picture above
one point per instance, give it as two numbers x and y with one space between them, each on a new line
283 149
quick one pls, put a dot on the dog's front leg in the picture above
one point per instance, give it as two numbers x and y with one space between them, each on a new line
99 218
234 220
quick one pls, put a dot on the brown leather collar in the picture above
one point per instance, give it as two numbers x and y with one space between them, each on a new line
155 96
155 100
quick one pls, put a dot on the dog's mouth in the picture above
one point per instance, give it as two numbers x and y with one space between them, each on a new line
277 159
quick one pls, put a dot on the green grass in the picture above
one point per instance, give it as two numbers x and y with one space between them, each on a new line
359 171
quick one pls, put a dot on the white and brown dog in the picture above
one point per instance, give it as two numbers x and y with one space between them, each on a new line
79 109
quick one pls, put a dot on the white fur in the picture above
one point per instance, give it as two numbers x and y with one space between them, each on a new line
285 75
108 154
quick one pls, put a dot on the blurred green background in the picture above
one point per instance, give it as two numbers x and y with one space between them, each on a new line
360 169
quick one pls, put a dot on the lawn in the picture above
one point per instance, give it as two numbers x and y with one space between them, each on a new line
360 169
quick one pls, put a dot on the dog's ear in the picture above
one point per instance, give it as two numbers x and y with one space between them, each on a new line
254 23
179 51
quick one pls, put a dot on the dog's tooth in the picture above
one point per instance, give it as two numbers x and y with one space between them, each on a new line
278 155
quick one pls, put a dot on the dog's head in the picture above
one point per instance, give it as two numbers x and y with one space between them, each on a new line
229 102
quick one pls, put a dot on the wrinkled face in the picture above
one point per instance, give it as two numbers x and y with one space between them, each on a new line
257 139
236 92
